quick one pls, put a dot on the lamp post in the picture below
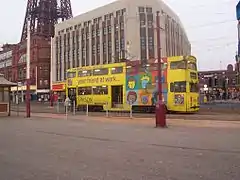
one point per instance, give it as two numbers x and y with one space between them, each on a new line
28 72
160 107
51 81
238 53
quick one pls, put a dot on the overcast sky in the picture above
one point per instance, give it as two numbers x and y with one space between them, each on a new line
210 24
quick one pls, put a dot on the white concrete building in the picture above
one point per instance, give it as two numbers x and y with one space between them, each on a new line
124 29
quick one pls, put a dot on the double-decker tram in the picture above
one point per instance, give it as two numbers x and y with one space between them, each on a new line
121 86
100 87
179 84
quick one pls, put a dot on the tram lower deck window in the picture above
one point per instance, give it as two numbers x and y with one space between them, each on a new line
100 90
84 90
179 87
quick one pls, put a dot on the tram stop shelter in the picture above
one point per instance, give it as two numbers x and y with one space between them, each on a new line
5 96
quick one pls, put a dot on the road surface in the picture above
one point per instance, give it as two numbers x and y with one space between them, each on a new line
56 149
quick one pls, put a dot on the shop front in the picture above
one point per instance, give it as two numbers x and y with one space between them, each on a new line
59 91
18 93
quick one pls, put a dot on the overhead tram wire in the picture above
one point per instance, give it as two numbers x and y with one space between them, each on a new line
212 39
212 48
212 24
206 4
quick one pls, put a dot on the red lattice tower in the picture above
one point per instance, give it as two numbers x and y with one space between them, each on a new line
44 14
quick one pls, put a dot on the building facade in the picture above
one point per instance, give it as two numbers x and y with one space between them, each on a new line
40 54
219 78
124 29
6 56
215 82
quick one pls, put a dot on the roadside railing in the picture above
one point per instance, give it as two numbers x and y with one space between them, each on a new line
86 110
72 109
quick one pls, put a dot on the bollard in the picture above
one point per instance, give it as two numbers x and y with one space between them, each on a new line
66 111
74 108
58 107
87 110
17 102
107 113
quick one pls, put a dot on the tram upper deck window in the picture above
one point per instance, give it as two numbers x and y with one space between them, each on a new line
131 69
117 70
178 65
192 66
99 72
84 73
71 74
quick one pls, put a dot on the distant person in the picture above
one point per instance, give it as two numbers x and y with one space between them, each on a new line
67 104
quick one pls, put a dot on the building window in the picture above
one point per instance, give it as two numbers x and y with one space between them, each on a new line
83 56
94 49
141 9
46 82
122 44
109 29
150 41
143 35
104 31
104 47
143 42
117 45
151 49
98 32
93 34
149 10
98 48
116 29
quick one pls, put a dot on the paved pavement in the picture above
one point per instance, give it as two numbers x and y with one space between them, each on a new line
57 149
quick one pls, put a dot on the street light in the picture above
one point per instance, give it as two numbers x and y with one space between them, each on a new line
28 71
51 92
160 107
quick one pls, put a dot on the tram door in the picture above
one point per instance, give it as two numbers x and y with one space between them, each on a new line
117 96
72 94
